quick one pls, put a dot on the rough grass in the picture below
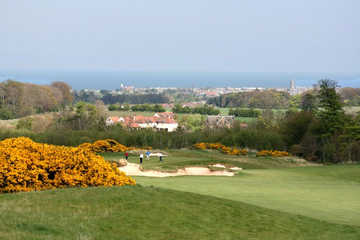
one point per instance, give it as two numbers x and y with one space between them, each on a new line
136 213
329 193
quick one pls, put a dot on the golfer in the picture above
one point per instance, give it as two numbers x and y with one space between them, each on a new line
141 157
126 155
147 155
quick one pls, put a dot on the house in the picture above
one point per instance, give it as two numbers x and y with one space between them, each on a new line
169 115
166 124
111 121
220 121
160 121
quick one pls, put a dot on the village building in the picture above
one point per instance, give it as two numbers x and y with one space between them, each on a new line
112 121
160 121
169 115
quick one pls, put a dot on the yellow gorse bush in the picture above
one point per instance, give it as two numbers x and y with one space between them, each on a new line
26 166
108 145
271 153
220 147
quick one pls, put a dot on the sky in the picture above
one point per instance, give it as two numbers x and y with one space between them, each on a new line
186 35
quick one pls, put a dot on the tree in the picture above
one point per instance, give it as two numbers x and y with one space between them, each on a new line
331 111
158 108
308 103
294 126
65 90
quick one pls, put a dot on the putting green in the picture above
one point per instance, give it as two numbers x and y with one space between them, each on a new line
327 193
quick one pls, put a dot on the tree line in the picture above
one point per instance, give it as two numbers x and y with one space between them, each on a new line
239 112
19 99
203 110
253 99
320 131
109 98
275 99
137 108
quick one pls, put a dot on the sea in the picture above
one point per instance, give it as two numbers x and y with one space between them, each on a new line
114 79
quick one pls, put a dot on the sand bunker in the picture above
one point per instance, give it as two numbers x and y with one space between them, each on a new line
133 169
218 165
236 169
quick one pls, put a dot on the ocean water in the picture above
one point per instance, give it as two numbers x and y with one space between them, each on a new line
114 79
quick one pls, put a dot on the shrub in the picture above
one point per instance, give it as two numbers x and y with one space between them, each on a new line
26 166
271 153
108 145
25 123
220 147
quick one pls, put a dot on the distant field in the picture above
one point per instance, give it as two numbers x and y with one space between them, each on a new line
8 123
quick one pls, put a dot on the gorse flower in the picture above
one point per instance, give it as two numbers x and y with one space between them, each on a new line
26 166
271 153
108 145
220 147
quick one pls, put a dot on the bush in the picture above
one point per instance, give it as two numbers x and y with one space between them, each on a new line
25 123
294 127
221 148
26 166
107 145
270 153
238 112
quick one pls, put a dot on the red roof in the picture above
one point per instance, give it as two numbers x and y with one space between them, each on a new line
114 119
134 125
165 114
134 121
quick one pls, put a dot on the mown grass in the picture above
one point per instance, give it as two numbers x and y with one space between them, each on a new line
182 158
329 193
151 213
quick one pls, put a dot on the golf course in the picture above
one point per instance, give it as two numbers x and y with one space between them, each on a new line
271 198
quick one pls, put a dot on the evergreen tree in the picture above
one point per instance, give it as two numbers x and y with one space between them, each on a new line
331 111
308 103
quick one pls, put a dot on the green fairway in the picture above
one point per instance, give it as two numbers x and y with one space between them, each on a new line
330 193
182 158
135 213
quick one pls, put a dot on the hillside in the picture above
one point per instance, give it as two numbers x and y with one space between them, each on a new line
151 213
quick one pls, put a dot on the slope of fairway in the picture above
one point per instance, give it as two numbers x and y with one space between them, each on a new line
329 193
136 213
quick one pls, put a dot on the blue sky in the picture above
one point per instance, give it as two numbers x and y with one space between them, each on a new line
196 35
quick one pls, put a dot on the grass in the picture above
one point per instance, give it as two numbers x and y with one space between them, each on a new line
329 193
270 199
137 213
182 158
246 119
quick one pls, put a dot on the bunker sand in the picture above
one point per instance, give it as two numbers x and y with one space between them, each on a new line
133 169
